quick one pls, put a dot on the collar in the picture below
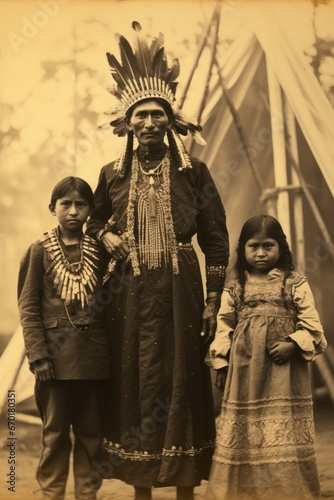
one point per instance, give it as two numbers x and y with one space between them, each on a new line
274 274
153 155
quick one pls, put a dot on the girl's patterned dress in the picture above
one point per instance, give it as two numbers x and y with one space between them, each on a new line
265 437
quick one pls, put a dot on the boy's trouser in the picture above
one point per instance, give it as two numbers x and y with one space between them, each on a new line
62 403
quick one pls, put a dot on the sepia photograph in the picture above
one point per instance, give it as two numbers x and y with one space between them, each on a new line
166 249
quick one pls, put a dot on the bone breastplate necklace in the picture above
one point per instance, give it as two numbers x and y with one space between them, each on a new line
72 281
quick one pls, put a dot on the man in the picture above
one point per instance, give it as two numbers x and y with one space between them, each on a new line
149 204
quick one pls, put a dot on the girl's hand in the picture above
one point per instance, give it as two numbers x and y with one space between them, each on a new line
280 352
117 248
43 370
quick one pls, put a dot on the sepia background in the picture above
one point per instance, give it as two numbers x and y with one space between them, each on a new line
259 76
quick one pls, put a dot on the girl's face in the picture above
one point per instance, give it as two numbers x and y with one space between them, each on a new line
71 211
262 253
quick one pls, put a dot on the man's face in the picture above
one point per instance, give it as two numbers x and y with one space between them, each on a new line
149 122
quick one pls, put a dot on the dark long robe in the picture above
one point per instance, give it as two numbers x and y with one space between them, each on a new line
160 427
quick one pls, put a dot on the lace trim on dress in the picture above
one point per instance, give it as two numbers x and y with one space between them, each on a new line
267 431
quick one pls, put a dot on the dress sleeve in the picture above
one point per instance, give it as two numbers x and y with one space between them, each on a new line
212 233
309 334
218 353
102 207
30 293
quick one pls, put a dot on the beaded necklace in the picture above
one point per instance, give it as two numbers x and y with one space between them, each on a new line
153 175
72 281
156 237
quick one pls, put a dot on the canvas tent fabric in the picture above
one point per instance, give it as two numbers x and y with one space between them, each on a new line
267 34
311 107
15 374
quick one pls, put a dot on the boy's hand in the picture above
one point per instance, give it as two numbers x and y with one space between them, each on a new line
43 369
282 351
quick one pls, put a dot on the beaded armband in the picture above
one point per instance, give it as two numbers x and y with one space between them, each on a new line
215 278
101 233
109 227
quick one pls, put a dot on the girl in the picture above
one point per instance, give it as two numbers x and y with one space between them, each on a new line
66 341
268 328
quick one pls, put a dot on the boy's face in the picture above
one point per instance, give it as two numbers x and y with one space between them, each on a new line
71 211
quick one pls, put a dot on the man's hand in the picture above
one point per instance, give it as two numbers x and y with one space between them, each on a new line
221 378
282 351
43 369
117 248
209 322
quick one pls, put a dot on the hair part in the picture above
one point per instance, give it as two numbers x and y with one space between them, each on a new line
72 184
272 229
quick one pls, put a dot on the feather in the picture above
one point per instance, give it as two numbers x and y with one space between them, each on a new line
142 52
199 139
117 112
117 71
180 130
159 64
190 123
119 124
104 126
173 86
184 124
115 92
156 44
184 157
121 130
173 72
128 58
190 126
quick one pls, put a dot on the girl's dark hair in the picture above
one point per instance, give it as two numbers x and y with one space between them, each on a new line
272 229
70 184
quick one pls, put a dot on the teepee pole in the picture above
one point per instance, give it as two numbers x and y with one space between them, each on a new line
312 204
279 154
215 27
198 56
297 201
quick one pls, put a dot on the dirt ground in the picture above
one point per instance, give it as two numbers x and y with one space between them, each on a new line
28 448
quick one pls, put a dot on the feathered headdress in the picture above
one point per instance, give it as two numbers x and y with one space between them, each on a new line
143 73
